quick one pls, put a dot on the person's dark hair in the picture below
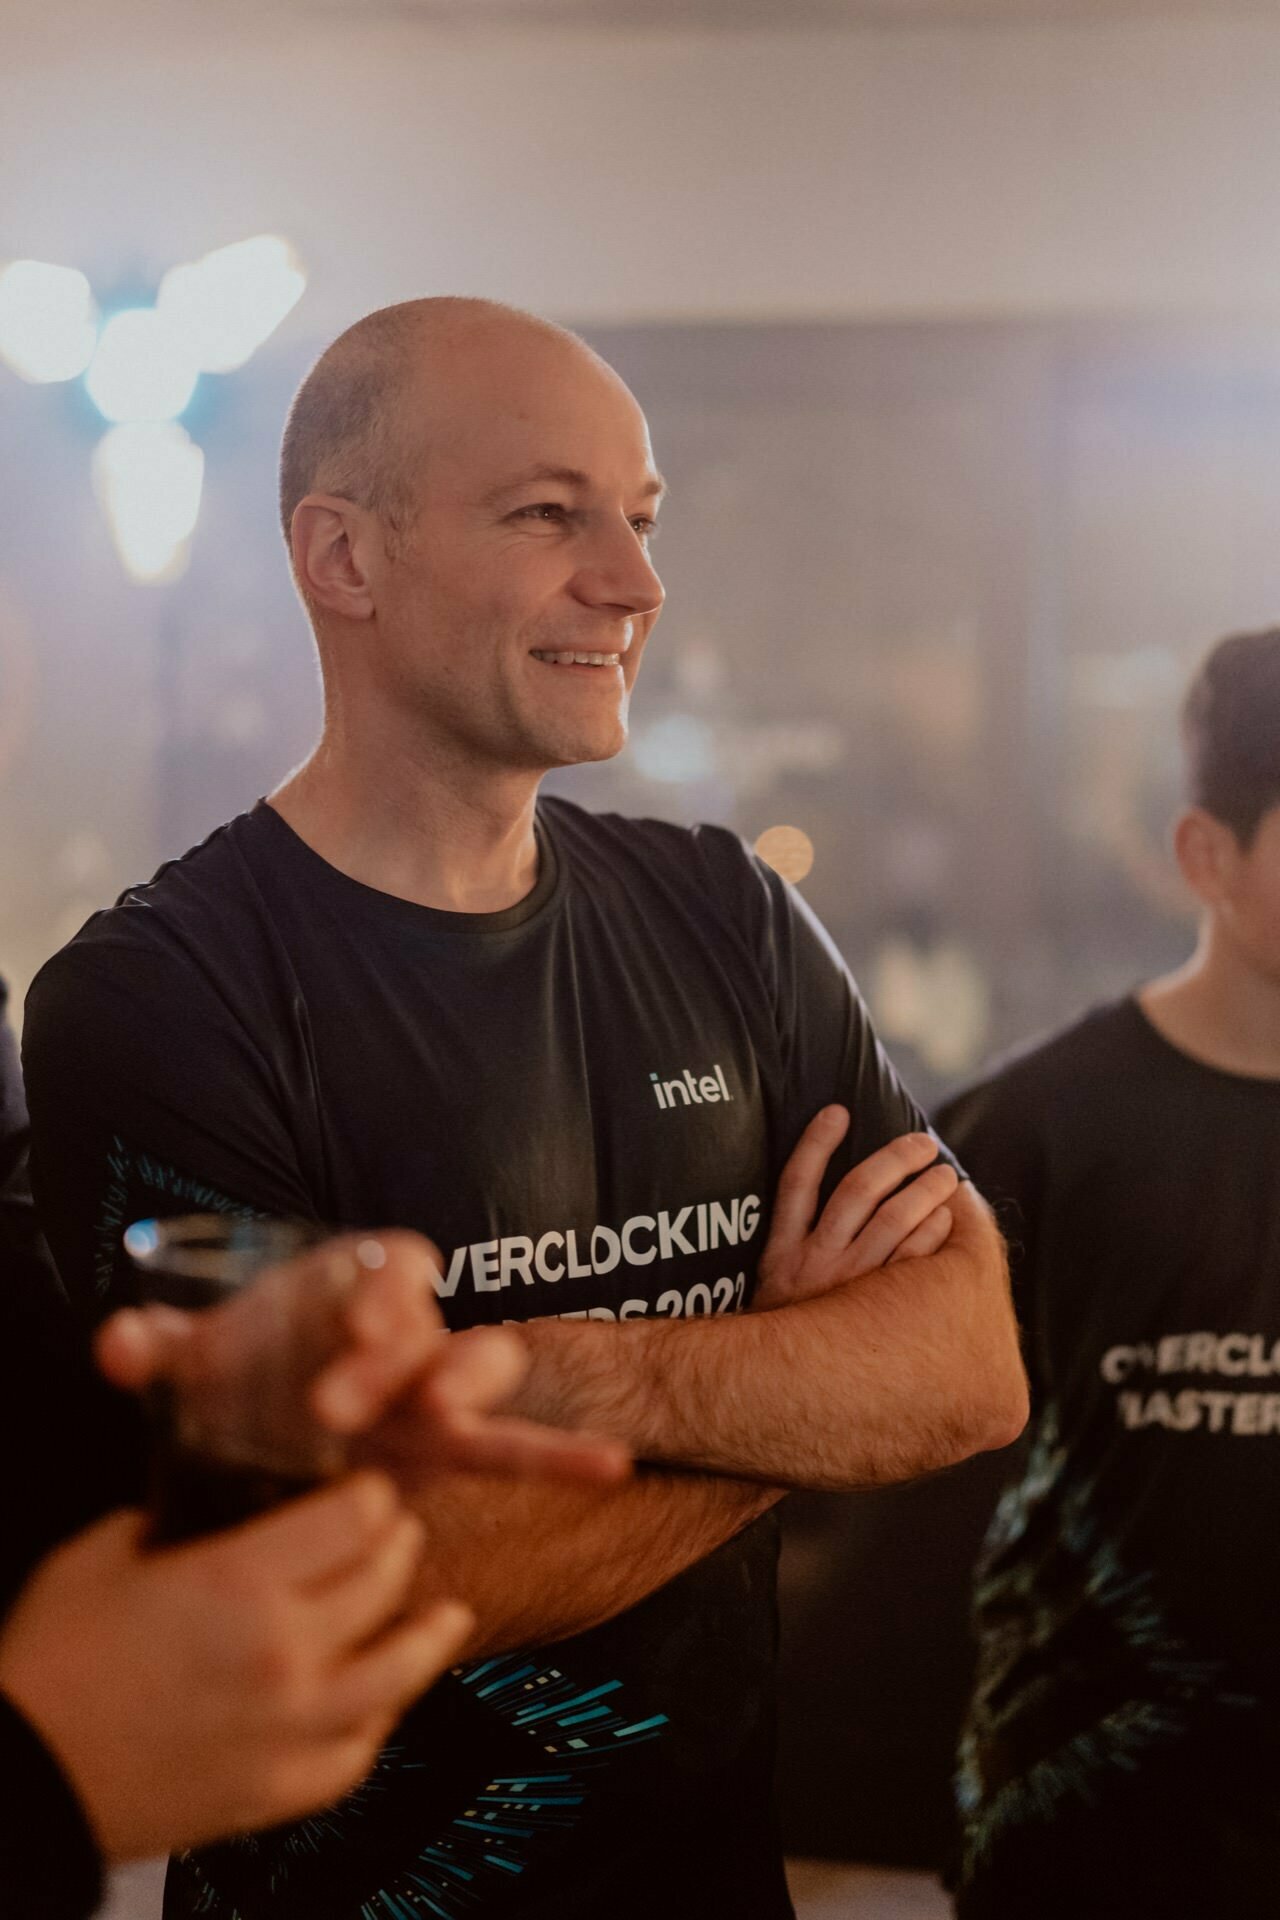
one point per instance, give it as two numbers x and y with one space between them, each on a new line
1231 731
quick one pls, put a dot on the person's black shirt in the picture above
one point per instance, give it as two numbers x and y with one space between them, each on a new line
585 1101
70 1443
1123 1744
53 1407
50 1868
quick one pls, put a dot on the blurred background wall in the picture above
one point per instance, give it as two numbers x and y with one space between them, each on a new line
959 330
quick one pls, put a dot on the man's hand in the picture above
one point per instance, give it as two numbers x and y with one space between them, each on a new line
198 1691
379 1368
892 1206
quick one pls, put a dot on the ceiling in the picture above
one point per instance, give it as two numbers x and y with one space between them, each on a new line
1065 156
61 18
724 15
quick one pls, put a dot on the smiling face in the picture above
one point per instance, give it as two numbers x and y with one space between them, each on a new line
513 613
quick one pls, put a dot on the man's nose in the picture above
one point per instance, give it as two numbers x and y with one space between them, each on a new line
617 572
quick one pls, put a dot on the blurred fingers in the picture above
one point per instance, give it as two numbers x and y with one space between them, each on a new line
395 1274
380 1682
314 1538
138 1343
391 1324
475 1370
521 1449
364 1598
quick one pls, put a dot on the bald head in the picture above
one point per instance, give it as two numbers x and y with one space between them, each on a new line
352 430
469 495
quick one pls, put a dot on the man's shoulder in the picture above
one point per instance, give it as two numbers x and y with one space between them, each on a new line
1067 1060
205 877
667 838
698 855
193 911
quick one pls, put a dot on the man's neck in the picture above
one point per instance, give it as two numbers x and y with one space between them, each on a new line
1219 1010
444 835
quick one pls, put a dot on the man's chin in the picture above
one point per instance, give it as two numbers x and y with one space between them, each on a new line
580 747
586 752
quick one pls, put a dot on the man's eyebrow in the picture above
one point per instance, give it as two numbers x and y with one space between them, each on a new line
653 488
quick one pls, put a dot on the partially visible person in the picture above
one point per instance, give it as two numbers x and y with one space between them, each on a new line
152 1699
50 1391
20 1238
1122 1752
159 1698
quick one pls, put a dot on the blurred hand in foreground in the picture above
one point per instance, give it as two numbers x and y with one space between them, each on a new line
380 1369
197 1691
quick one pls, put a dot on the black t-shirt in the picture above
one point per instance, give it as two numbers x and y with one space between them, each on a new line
49 1863
50 1405
1123 1744
585 1101
65 1436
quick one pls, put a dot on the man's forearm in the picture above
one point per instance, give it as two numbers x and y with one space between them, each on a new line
537 1562
904 1370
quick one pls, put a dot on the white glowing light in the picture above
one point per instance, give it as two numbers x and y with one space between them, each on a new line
227 304
143 370
148 479
47 321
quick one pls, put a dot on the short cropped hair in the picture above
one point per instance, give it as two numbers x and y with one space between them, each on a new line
346 434
343 434
1231 731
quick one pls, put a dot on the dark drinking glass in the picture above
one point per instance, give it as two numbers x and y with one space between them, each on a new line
232 1432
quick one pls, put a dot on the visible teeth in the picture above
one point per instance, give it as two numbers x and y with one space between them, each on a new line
578 659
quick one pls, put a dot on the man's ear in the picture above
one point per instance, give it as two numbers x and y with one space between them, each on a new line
334 543
1205 847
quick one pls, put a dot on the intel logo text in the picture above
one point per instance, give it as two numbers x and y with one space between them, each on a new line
691 1091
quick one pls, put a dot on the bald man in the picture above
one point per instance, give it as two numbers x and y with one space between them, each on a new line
614 1068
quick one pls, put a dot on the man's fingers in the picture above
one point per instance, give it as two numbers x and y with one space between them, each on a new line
398 1667
365 1378
111 1545
137 1343
361 1600
393 1284
898 1218
469 1371
391 1323
796 1199
313 1538
868 1186
522 1449
476 1370
425 1438
929 1238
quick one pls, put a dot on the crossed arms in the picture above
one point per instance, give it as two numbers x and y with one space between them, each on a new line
876 1350
882 1346
869 1360
877 1362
